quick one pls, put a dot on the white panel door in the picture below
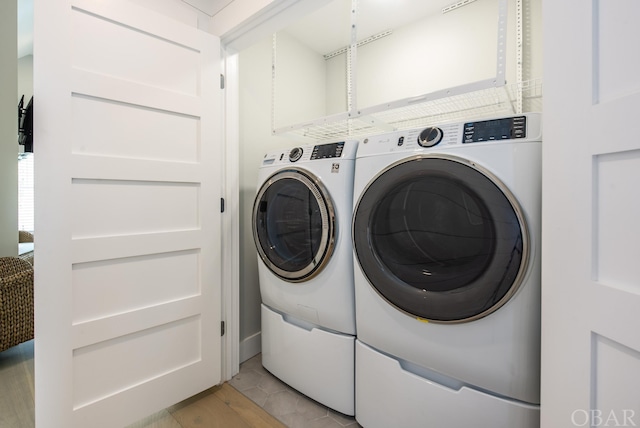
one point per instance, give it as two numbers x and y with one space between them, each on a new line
591 213
128 187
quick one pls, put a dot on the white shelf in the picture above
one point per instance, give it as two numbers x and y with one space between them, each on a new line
477 100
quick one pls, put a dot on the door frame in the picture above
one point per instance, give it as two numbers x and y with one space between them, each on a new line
235 35
231 216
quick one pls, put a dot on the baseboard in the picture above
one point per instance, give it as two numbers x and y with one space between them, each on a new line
250 347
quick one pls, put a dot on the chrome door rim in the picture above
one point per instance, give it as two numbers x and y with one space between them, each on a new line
526 250
327 215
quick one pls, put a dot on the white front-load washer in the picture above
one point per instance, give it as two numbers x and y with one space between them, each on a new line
446 232
302 230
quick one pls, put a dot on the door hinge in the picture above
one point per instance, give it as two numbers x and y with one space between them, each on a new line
221 205
222 81
222 328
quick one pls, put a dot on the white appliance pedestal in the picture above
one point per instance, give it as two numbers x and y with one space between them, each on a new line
387 395
318 363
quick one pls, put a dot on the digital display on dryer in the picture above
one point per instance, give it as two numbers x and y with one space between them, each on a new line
325 151
493 130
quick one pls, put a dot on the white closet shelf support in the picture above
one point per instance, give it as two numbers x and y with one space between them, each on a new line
471 101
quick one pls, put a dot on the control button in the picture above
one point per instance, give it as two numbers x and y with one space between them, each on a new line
429 137
400 141
295 154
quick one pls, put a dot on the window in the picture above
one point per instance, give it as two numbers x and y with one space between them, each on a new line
25 191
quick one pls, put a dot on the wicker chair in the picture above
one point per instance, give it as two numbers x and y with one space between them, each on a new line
24 236
16 302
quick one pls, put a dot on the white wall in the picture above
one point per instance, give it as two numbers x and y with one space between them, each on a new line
301 82
336 84
25 77
434 53
308 87
8 128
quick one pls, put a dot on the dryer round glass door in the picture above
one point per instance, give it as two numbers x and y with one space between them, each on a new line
294 225
440 238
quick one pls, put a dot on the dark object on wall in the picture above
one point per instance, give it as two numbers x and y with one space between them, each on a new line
25 125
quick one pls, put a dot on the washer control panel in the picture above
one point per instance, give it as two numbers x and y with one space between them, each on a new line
498 129
520 128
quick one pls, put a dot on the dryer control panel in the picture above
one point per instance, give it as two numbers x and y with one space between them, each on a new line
498 129
324 151
339 150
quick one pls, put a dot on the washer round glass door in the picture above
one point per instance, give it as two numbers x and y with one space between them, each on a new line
440 238
294 225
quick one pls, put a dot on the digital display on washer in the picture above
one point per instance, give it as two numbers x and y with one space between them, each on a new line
498 129
324 151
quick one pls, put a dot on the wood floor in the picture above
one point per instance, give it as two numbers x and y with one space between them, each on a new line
220 406
16 387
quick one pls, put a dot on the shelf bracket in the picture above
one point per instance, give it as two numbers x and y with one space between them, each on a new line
352 61
519 56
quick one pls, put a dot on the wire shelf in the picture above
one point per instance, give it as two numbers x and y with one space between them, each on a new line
407 114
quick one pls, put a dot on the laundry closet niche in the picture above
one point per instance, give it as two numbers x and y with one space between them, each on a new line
338 69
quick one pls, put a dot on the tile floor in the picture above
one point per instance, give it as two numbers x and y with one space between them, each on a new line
292 408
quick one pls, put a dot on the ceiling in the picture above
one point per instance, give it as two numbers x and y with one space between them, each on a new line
210 7
328 29
324 31
25 20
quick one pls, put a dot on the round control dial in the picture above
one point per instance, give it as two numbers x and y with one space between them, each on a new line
295 154
429 137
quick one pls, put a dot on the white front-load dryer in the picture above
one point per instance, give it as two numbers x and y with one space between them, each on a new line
446 231
302 230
